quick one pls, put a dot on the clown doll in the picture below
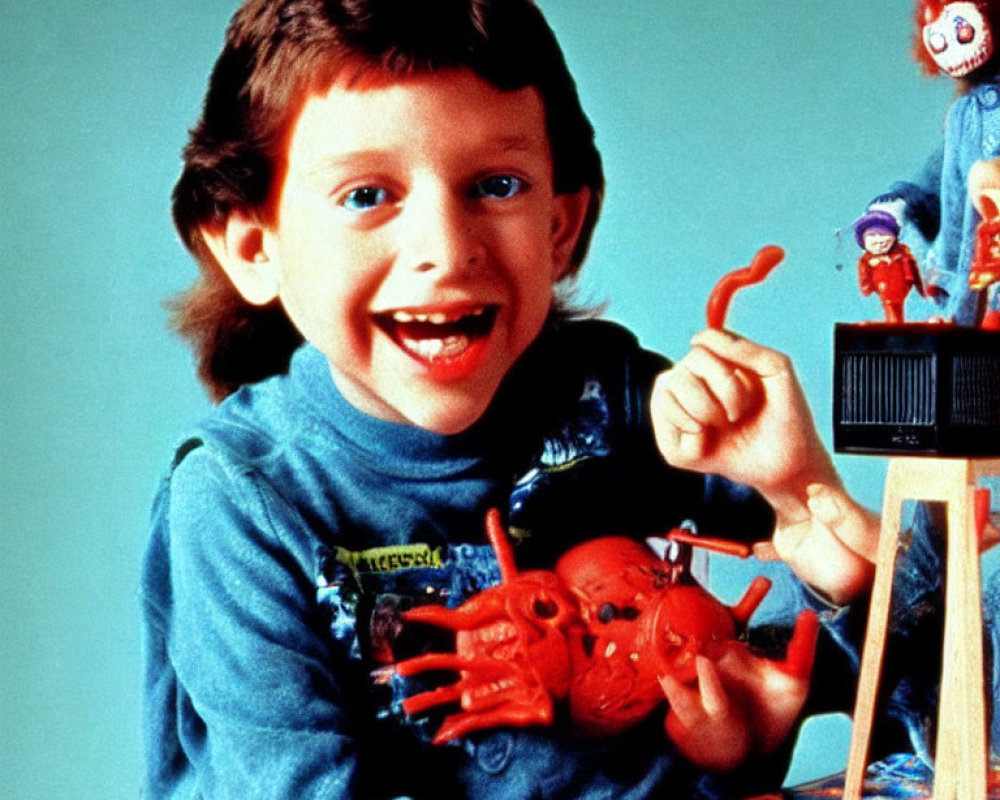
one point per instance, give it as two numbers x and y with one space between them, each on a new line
956 39
887 267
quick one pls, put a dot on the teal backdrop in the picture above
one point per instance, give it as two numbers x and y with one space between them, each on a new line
724 126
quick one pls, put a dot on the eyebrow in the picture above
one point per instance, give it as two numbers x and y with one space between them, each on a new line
326 163
507 144
520 142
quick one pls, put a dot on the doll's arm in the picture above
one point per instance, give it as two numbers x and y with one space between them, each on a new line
917 201
733 408
865 283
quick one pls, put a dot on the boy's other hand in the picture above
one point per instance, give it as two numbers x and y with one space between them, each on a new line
731 407
734 408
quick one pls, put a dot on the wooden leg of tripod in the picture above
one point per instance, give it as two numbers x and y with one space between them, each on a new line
875 638
960 755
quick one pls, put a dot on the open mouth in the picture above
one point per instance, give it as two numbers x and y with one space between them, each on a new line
439 338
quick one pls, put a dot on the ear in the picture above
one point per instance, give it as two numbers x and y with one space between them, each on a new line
569 213
240 246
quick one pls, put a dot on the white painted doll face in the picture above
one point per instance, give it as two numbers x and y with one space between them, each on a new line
958 39
878 242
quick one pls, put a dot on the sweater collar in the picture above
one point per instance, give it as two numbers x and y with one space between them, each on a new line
397 448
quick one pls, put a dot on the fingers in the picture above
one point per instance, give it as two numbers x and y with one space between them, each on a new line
713 695
697 399
710 390
693 705
702 723
735 349
683 701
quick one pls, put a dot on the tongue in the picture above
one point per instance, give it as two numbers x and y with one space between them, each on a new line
428 330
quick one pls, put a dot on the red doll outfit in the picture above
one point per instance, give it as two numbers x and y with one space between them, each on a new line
891 275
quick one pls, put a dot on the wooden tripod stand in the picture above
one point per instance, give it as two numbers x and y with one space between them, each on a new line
960 757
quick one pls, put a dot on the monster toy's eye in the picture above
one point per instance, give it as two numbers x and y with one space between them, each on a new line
545 608
936 42
606 613
964 32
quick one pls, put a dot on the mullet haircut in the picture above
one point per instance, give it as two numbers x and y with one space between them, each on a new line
279 52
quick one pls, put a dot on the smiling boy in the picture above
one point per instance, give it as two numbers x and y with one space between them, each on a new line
417 251
386 198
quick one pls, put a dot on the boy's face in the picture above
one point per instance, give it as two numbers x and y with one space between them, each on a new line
418 239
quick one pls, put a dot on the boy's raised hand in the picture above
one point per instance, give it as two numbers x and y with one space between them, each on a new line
734 408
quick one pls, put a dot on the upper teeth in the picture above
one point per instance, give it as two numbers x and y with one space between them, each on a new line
435 318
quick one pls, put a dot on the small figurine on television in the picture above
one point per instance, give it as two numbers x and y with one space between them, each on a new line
887 267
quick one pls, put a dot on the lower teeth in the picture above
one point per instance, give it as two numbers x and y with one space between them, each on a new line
431 349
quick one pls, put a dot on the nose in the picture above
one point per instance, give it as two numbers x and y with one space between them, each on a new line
440 233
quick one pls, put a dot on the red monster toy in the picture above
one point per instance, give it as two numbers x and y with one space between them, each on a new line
605 630
512 648
615 631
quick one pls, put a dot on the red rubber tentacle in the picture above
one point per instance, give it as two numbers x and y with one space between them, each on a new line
755 594
501 546
766 259
430 662
539 712
802 648
419 703
725 546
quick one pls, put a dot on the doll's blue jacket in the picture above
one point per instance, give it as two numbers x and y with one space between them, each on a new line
291 530
938 202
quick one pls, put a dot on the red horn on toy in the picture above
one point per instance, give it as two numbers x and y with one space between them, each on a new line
767 258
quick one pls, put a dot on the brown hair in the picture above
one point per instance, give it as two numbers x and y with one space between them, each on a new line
278 52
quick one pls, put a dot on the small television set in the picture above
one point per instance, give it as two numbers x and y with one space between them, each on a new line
916 388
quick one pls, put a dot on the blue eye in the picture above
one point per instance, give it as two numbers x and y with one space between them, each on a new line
499 187
365 197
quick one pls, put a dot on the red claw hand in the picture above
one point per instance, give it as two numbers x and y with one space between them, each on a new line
512 649
767 258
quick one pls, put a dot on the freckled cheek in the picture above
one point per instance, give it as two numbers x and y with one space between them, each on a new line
524 247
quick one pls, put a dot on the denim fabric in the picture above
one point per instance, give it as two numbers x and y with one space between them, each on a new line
910 679
292 531
938 200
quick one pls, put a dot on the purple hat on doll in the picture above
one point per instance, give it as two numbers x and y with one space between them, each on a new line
874 220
